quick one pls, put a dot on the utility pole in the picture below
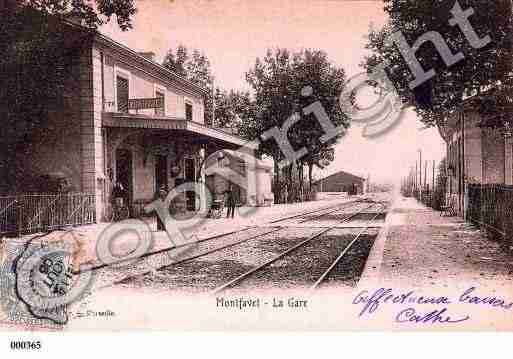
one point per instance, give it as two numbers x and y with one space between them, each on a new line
420 175
411 181
433 176
416 176
425 173
213 102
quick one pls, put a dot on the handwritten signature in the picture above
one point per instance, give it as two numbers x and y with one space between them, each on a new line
371 302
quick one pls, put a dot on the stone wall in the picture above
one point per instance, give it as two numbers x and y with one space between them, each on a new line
91 127
55 147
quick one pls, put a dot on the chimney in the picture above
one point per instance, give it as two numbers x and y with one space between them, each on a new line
150 55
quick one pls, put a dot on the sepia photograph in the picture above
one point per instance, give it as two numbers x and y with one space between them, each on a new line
261 166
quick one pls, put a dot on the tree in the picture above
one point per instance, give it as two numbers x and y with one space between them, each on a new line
230 107
93 13
481 69
440 189
196 68
37 55
177 61
278 82
37 50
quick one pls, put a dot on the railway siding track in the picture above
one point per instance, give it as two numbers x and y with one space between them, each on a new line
302 244
331 268
264 243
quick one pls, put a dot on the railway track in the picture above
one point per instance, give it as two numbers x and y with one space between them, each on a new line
330 209
323 277
318 216
212 239
232 283
266 230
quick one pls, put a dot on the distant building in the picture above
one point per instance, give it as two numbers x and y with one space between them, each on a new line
341 182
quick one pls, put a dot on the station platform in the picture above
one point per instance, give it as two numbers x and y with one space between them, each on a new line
419 248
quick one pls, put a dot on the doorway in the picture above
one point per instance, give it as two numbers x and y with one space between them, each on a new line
124 171
190 176
160 172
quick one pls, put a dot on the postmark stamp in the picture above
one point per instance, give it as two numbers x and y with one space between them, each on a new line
37 281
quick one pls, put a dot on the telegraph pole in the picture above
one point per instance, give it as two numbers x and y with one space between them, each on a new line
433 176
425 173
416 176
213 102
420 175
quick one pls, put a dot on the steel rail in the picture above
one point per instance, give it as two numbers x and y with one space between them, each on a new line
329 212
307 213
207 239
281 255
166 249
343 253
202 254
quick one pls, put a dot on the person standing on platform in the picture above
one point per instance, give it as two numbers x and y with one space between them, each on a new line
230 201
161 194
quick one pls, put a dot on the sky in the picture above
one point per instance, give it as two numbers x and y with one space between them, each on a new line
233 33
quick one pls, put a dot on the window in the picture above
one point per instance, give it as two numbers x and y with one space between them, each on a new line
160 111
122 85
188 111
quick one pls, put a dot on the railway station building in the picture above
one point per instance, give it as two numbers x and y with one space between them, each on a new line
125 118
476 155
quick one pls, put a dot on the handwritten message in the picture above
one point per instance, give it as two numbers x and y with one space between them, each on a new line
410 305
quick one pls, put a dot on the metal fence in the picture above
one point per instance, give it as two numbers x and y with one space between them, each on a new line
424 196
434 199
31 213
491 206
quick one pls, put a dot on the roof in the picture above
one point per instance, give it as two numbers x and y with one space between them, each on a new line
249 159
164 71
349 175
125 120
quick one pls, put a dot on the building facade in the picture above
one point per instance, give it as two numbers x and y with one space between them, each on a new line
124 118
475 154
251 178
341 182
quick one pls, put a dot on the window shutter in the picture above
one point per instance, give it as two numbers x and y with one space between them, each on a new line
122 94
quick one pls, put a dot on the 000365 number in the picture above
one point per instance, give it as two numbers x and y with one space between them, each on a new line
25 345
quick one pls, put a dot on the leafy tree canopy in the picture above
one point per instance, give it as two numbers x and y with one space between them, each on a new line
94 13
37 54
231 106
194 66
278 81
481 69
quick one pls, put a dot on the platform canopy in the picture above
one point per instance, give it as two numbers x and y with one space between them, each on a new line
119 120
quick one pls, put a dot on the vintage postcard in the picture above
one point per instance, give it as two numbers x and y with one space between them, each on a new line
237 165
